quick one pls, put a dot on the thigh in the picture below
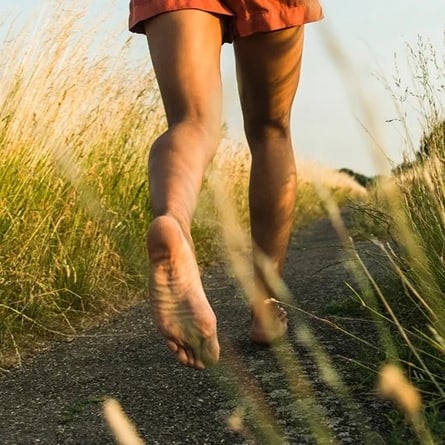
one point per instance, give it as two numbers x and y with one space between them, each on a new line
268 71
185 48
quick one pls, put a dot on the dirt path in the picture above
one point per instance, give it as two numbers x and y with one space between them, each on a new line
57 398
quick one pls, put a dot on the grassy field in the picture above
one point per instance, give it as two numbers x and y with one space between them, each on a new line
73 202
75 131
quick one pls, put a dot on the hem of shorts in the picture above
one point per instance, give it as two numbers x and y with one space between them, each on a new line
144 11
274 21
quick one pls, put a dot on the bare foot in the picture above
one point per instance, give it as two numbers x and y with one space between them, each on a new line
269 322
178 302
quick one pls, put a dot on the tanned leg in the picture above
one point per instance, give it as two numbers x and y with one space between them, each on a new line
185 50
268 70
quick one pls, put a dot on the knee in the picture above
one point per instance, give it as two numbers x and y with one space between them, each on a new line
262 128
202 121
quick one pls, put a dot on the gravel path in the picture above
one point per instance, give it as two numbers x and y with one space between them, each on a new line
57 397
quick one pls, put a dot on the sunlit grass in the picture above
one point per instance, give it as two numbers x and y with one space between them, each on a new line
75 129
406 217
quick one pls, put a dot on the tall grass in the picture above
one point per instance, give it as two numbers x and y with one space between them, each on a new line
410 206
75 128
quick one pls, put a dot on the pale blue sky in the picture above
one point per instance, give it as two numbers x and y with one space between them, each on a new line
326 123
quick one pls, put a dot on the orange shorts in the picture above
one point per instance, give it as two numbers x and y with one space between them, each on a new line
241 17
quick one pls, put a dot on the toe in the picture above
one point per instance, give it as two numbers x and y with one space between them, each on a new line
199 364
172 346
282 315
181 356
210 351
190 358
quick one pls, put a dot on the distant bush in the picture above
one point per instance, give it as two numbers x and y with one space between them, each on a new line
363 180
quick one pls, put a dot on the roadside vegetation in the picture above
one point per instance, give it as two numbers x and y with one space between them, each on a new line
73 137
405 216
76 124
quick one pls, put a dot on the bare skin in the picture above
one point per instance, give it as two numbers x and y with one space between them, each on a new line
185 49
268 72
179 305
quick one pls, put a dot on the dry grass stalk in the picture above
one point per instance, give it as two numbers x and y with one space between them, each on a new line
123 429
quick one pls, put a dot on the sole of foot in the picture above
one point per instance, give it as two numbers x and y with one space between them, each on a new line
179 305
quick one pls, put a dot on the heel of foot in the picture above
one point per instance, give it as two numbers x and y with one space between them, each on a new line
269 323
179 305
163 236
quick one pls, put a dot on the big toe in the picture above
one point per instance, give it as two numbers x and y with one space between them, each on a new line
181 356
210 351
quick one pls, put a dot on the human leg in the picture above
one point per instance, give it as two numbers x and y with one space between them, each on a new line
185 50
268 70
